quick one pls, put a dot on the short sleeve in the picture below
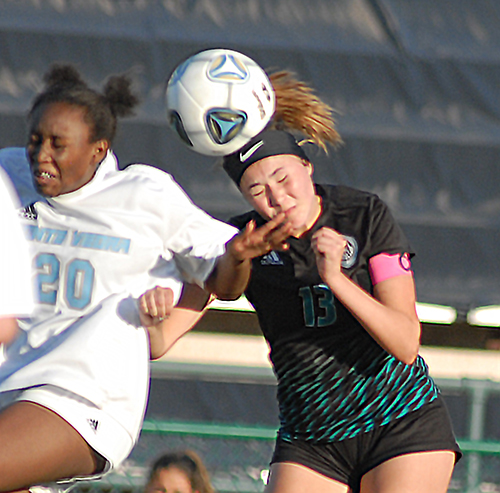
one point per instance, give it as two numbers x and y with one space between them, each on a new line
194 238
386 236
199 243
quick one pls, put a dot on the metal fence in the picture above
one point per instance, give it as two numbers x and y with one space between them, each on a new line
237 457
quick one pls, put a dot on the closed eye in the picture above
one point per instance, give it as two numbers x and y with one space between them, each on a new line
57 143
281 177
257 190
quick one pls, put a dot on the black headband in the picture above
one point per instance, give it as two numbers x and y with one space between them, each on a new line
267 143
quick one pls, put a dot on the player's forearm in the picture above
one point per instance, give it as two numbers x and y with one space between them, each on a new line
230 277
8 329
397 331
157 345
166 333
166 325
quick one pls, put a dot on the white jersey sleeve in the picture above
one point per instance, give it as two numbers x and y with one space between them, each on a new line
194 238
16 294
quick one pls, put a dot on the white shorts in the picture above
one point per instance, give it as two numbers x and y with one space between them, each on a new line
96 377
101 431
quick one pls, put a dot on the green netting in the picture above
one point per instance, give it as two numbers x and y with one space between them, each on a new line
237 462
238 458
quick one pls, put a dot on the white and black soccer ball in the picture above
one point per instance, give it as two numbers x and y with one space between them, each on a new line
217 100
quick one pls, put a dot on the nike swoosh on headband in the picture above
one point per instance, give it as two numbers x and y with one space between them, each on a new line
245 155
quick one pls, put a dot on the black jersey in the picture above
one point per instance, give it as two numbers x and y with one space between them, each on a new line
334 380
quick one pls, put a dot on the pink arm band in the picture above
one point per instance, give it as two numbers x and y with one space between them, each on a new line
384 266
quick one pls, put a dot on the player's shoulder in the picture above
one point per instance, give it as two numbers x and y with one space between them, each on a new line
14 161
146 171
345 197
154 184
148 176
17 153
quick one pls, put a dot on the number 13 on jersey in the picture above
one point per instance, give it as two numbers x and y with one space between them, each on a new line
318 305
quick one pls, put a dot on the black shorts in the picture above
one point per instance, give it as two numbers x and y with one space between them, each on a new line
347 461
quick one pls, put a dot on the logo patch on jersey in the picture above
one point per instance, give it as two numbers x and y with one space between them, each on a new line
29 213
350 252
94 424
272 258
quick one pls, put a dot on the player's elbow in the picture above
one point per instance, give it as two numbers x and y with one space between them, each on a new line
222 291
409 352
228 296
409 359
226 288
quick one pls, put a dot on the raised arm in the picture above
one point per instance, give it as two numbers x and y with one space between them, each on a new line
232 272
389 316
166 323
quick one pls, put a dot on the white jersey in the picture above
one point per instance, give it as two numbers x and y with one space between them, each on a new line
124 232
16 296
95 251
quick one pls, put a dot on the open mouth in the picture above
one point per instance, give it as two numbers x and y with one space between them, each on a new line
44 180
44 175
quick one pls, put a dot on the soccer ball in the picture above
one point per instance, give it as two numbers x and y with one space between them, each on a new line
217 100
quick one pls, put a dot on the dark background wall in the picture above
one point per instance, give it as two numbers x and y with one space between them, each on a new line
415 86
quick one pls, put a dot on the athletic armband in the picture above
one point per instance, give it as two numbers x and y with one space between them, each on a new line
385 265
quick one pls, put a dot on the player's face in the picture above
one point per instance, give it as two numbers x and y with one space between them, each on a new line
62 158
169 480
282 184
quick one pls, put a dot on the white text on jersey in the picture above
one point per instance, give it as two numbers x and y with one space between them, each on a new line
79 239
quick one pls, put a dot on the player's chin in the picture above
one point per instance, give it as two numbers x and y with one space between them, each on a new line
46 191
299 227
47 187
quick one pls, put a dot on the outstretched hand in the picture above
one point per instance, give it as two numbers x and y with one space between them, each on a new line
155 305
253 242
230 277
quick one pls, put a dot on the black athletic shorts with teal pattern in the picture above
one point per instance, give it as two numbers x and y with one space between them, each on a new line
347 461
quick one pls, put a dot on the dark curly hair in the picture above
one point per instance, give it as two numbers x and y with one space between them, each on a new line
64 84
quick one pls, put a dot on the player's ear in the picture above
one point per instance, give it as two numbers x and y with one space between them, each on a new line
309 166
100 149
